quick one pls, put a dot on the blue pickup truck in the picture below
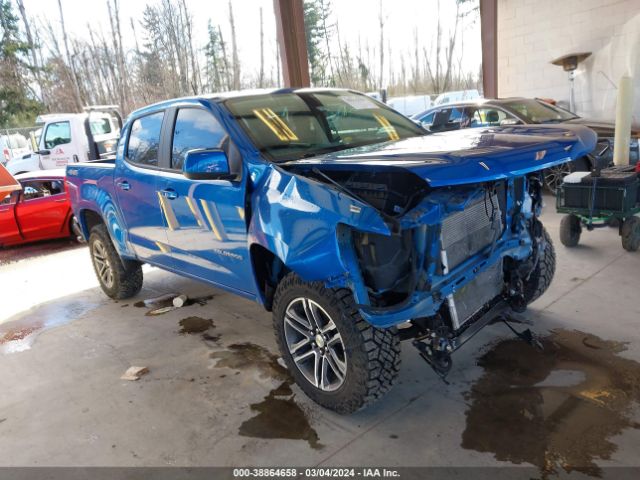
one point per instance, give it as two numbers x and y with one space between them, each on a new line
352 224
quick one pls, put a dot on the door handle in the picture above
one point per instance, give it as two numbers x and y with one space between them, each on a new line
169 193
124 185
61 200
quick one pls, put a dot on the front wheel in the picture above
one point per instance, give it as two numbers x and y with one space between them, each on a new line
339 360
541 276
570 230
118 278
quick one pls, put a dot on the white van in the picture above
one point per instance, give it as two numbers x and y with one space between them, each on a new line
71 137
12 146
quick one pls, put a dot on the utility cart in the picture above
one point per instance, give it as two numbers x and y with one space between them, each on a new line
606 198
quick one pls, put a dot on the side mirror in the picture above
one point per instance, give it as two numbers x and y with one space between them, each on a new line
207 165
507 122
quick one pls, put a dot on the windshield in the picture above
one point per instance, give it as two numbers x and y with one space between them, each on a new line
539 112
288 126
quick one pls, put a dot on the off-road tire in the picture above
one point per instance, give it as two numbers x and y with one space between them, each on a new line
539 280
373 354
570 230
127 274
631 234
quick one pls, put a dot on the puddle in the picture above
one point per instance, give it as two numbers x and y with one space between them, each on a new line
164 303
278 415
244 356
18 334
557 409
195 324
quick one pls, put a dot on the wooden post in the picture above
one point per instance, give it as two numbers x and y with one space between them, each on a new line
489 35
292 42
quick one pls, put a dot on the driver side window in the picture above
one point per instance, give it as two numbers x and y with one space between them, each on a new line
58 133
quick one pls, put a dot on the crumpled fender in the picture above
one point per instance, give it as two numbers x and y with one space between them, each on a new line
296 218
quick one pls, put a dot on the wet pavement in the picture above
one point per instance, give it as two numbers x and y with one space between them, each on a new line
217 393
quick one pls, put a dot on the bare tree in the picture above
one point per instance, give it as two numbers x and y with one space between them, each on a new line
234 50
74 78
261 74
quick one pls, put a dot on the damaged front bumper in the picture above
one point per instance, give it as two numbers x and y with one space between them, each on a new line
432 282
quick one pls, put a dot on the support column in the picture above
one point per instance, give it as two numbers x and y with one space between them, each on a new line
489 35
292 42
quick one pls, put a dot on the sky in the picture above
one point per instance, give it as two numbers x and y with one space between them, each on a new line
357 21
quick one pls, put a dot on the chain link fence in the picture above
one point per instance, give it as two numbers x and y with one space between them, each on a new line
17 142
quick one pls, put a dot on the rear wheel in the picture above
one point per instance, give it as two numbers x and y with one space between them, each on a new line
540 278
631 234
570 230
338 359
118 278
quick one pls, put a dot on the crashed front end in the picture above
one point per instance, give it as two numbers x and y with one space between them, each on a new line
458 252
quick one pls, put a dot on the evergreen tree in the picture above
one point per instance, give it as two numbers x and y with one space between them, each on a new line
17 105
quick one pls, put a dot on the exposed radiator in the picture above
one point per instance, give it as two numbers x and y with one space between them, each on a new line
463 235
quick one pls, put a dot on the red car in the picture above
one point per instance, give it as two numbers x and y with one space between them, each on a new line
40 211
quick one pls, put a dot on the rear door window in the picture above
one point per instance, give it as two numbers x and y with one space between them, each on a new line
41 188
144 140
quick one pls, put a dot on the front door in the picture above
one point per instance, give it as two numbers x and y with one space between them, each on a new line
57 146
136 186
42 210
206 219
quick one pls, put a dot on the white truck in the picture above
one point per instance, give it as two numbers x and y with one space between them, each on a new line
70 138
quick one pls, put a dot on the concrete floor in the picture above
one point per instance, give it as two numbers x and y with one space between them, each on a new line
208 401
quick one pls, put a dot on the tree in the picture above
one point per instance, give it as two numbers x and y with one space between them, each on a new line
17 103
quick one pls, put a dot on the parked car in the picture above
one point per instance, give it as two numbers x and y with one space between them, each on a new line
456 96
40 211
517 111
13 145
71 138
339 215
410 105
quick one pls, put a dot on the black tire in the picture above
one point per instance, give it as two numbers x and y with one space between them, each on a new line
372 355
570 230
631 234
553 176
126 275
542 275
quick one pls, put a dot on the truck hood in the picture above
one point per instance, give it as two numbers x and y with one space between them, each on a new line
465 156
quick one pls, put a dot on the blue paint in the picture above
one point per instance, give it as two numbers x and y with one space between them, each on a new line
205 229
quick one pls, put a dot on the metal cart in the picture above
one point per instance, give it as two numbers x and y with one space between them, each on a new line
611 199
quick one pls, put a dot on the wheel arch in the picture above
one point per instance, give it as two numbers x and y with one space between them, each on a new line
269 270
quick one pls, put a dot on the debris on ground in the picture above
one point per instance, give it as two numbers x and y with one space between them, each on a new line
134 373
180 300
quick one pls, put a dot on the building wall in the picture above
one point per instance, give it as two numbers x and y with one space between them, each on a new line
532 33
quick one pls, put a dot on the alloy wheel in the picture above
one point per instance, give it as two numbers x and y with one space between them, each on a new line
102 263
315 344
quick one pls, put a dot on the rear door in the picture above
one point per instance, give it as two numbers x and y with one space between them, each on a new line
43 209
136 186
205 220
57 143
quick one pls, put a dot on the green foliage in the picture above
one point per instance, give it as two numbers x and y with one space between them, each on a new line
17 106
316 15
